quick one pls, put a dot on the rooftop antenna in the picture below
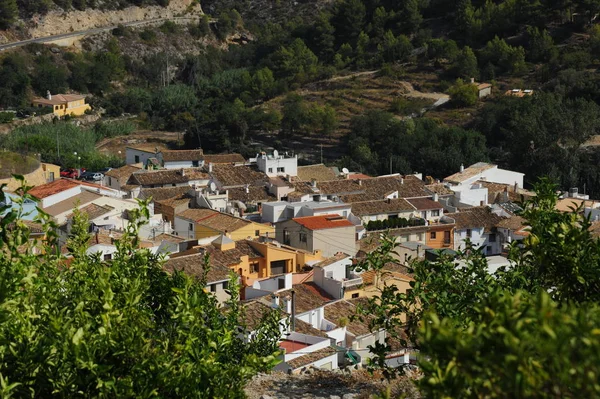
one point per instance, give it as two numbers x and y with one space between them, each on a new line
345 171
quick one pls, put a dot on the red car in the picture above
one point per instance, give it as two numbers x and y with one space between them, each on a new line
70 173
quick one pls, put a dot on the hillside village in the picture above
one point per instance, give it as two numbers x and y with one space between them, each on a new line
291 234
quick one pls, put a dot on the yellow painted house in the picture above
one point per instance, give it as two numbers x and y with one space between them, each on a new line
204 223
63 104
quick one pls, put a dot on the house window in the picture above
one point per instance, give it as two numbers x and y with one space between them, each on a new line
191 227
254 267
270 170
213 288
435 213
469 233
110 181
303 237
195 164
281 283
432 235
51 176
137 159
280 170
225 285
446 237
492 237
174 185
355 295
286 237
256 233
489 249
107 256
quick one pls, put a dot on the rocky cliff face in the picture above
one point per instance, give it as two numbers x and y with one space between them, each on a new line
56 22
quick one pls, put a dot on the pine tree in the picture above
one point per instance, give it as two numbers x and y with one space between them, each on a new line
8 13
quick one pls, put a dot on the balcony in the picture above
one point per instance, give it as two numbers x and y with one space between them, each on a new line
352 282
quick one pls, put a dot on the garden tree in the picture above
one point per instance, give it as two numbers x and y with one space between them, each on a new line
394 48
542 134
416 144
464 20
504 57
123 328
440 49
15 81
49 77
465 66
541 46
324 38
378 24
296 62
463 94
409 16
348 19
362 46
8 13
489 335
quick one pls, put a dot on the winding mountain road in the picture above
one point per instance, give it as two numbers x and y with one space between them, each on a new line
95 31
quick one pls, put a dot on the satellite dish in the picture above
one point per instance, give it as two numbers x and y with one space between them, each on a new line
345 171
275 153
213 186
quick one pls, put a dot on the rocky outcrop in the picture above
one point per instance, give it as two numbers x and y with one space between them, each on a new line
56 22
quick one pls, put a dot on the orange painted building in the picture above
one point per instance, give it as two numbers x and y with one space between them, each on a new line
440 236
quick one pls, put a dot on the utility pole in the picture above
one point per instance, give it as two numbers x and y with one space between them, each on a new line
321 153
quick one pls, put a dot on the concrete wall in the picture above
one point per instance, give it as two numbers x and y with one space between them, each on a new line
63 195
332 241
269 165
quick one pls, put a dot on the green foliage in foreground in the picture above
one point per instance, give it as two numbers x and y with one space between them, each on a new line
124 328
530 331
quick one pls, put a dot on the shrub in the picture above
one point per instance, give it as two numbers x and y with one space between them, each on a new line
6 117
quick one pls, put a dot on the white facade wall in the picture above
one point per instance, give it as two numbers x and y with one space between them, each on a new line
103 191
280 166
133 156
59 197
313 317
472 195
272 284
503 176
338 334
480 239
103 249
179 164
274 212
331 286
315 344
111 182
181 228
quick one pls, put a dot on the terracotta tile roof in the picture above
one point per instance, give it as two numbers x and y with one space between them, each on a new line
309 296
439 188
336 258
238 176
317 172
476 217
168 176
221 222
395 205
513 223
342 311
104 237
323 222
160 194
223 158
310 358
58 99
55 187
64 206
34 227
175 201
194 266
123 173
469 172
362 190
595 229
227 258
279 182
482 86
305 328
496 192
255 194
182 155
93 211
354 176
425 204
253 312
168 238
567 204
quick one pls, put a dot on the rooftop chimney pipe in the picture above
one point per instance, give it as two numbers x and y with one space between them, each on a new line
293 310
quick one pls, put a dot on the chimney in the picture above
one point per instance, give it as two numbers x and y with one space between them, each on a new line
209 167
275 301
313 183
182 172
472 80
360 182
288 305
293 310
516 187
247 189
402 180
388 200
48 95
435 197
462 168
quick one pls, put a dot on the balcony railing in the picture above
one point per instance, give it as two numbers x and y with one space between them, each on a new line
352 283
